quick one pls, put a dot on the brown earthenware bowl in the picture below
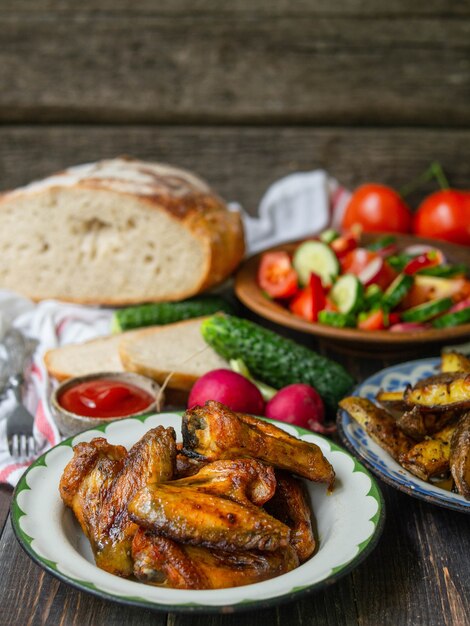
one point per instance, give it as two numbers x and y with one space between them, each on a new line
352 340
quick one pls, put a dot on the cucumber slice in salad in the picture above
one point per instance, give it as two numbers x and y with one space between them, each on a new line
453 319
397 291
426 311
339 320
347 293
373 296
316 257
329 235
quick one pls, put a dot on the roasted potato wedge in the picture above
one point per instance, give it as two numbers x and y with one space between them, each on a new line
454 362
430 457
460 456
412 424
391 400
418 424
379 424
443 392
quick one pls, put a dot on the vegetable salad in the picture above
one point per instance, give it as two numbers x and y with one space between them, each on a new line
334 280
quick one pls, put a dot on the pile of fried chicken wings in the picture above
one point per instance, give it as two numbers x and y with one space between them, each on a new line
221 510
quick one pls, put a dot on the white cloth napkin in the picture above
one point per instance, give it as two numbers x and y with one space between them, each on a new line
296 206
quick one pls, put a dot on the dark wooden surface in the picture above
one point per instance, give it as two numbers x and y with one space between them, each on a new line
241 161
244 92
418 575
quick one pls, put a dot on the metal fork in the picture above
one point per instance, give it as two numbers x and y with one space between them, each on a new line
21 443
16 350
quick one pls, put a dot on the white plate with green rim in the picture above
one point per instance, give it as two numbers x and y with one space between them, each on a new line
349 523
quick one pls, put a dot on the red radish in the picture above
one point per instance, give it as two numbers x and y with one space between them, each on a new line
421 248
301 405
370 274
230 388
392 248
378 272
464 304
407 327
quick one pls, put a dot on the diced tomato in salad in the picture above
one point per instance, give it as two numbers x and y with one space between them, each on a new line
374 287
310 301
276 276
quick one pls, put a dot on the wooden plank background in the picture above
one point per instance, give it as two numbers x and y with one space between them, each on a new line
242 92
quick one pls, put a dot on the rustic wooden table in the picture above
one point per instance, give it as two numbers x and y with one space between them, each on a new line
244 92
418 575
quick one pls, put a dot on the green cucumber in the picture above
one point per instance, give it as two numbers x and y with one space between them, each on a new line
399 261
395 292
444 271
373 296
339 320
316 257
382 243
453 319
238 366
426 311
347 293
329 235
274 360
160 313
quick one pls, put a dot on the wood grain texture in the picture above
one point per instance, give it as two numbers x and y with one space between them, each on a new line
241 162
5 496
209 68
418 561
435 8
417 575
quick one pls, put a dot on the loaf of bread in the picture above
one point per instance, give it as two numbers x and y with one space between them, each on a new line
156 351
117 232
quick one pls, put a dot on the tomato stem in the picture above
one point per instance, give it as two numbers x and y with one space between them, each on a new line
434 171
439 175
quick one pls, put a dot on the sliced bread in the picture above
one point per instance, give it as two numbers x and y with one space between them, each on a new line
90 357
115 232
176 348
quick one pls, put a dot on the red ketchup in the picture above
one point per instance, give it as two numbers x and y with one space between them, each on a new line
105 398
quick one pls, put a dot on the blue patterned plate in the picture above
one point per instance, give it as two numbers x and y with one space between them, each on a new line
371 454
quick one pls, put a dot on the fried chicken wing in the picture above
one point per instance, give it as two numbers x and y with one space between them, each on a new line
290 506
159 560
214 432
85 481
197 518
242 480
185 465
99 491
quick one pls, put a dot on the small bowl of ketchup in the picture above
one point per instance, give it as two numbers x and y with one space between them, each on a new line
87 401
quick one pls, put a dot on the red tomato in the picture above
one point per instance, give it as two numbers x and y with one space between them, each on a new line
310 301
343 245
422 261
445 215
301 305
378 208
356 260
374 321
276 276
